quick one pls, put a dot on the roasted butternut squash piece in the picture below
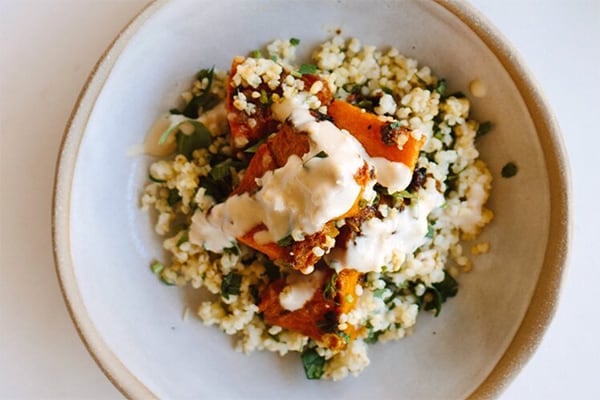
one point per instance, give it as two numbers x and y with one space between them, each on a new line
379 138
319 317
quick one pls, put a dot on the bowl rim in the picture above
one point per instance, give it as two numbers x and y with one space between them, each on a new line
539 313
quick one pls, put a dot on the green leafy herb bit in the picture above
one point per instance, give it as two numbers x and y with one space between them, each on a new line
344 336
285 241
404 194
230 285
386 90
362 203
255 146
272 271
509 170
256 54
307 69
436 295
221 170
233 249
205 100
373 336
314 364
264 97
156 267
200 138
430 231
294 41
184 238
165 281
322 154
173 197
441 87
329 289
484 128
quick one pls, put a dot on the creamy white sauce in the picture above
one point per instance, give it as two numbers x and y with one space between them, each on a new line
303 195
299 289
395 176
208 236
399 234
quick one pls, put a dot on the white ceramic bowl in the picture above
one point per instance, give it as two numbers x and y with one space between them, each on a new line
132 325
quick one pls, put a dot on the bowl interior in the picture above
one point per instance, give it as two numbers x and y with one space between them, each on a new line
111 241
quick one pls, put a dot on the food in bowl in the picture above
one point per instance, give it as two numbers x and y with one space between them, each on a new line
322 205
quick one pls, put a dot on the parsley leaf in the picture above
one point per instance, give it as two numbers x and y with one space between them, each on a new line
294 41
307 69
230 285
314 364
285 241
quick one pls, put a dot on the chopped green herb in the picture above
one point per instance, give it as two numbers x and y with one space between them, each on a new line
205 100
294 41
314 364
329 289
441 87
165 281
372 336
230 285
437 294
173 197
221 170
285 241
344 336
233 249
351 87
366 104
430 231
321 154
255 146
404 194
272 271
386 90
264 97
156 267
307 69
199 139
256 54
184 238
483 129
509 170
362 203
349 298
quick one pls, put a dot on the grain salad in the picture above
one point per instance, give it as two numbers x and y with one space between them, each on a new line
322 204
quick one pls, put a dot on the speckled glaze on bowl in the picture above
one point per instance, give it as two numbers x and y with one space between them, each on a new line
132 325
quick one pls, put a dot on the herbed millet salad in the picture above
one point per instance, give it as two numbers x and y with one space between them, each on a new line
322 204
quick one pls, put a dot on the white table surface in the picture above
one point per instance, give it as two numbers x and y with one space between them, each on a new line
47 48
